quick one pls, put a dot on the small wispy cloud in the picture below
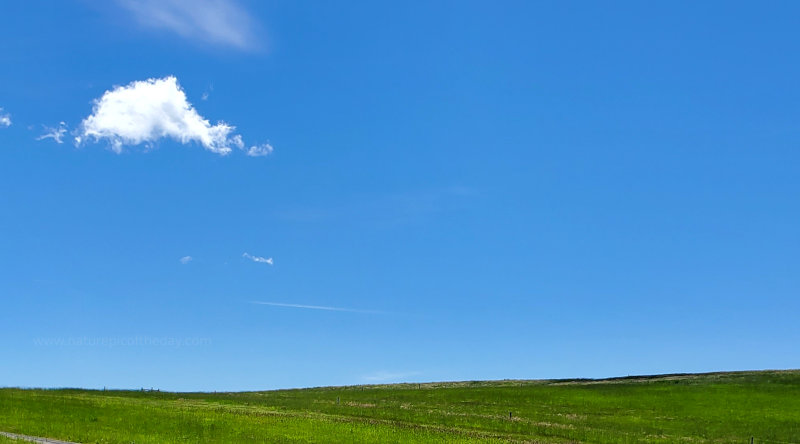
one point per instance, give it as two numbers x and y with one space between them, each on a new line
259 259
260 150
5 119
186 259
384 376
207 92
56 133
218 22
316 307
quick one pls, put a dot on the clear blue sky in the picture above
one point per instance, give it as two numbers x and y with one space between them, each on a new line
446 191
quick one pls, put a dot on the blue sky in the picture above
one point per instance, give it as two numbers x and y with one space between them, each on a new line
254 195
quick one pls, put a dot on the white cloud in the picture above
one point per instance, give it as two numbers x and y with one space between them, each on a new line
56 133
260 150
186 259
316 307
259 259
146 111
5 119
220 22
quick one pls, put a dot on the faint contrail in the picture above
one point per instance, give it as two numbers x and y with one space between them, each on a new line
317 307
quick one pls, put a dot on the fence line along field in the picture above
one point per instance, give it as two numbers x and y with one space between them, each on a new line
692 408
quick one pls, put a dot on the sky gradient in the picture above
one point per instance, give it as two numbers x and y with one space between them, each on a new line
337 193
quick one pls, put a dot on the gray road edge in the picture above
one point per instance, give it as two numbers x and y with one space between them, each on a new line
35 439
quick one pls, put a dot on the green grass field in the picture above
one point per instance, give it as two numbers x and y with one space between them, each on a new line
705 408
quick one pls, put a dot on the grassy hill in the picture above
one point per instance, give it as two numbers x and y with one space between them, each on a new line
691 408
